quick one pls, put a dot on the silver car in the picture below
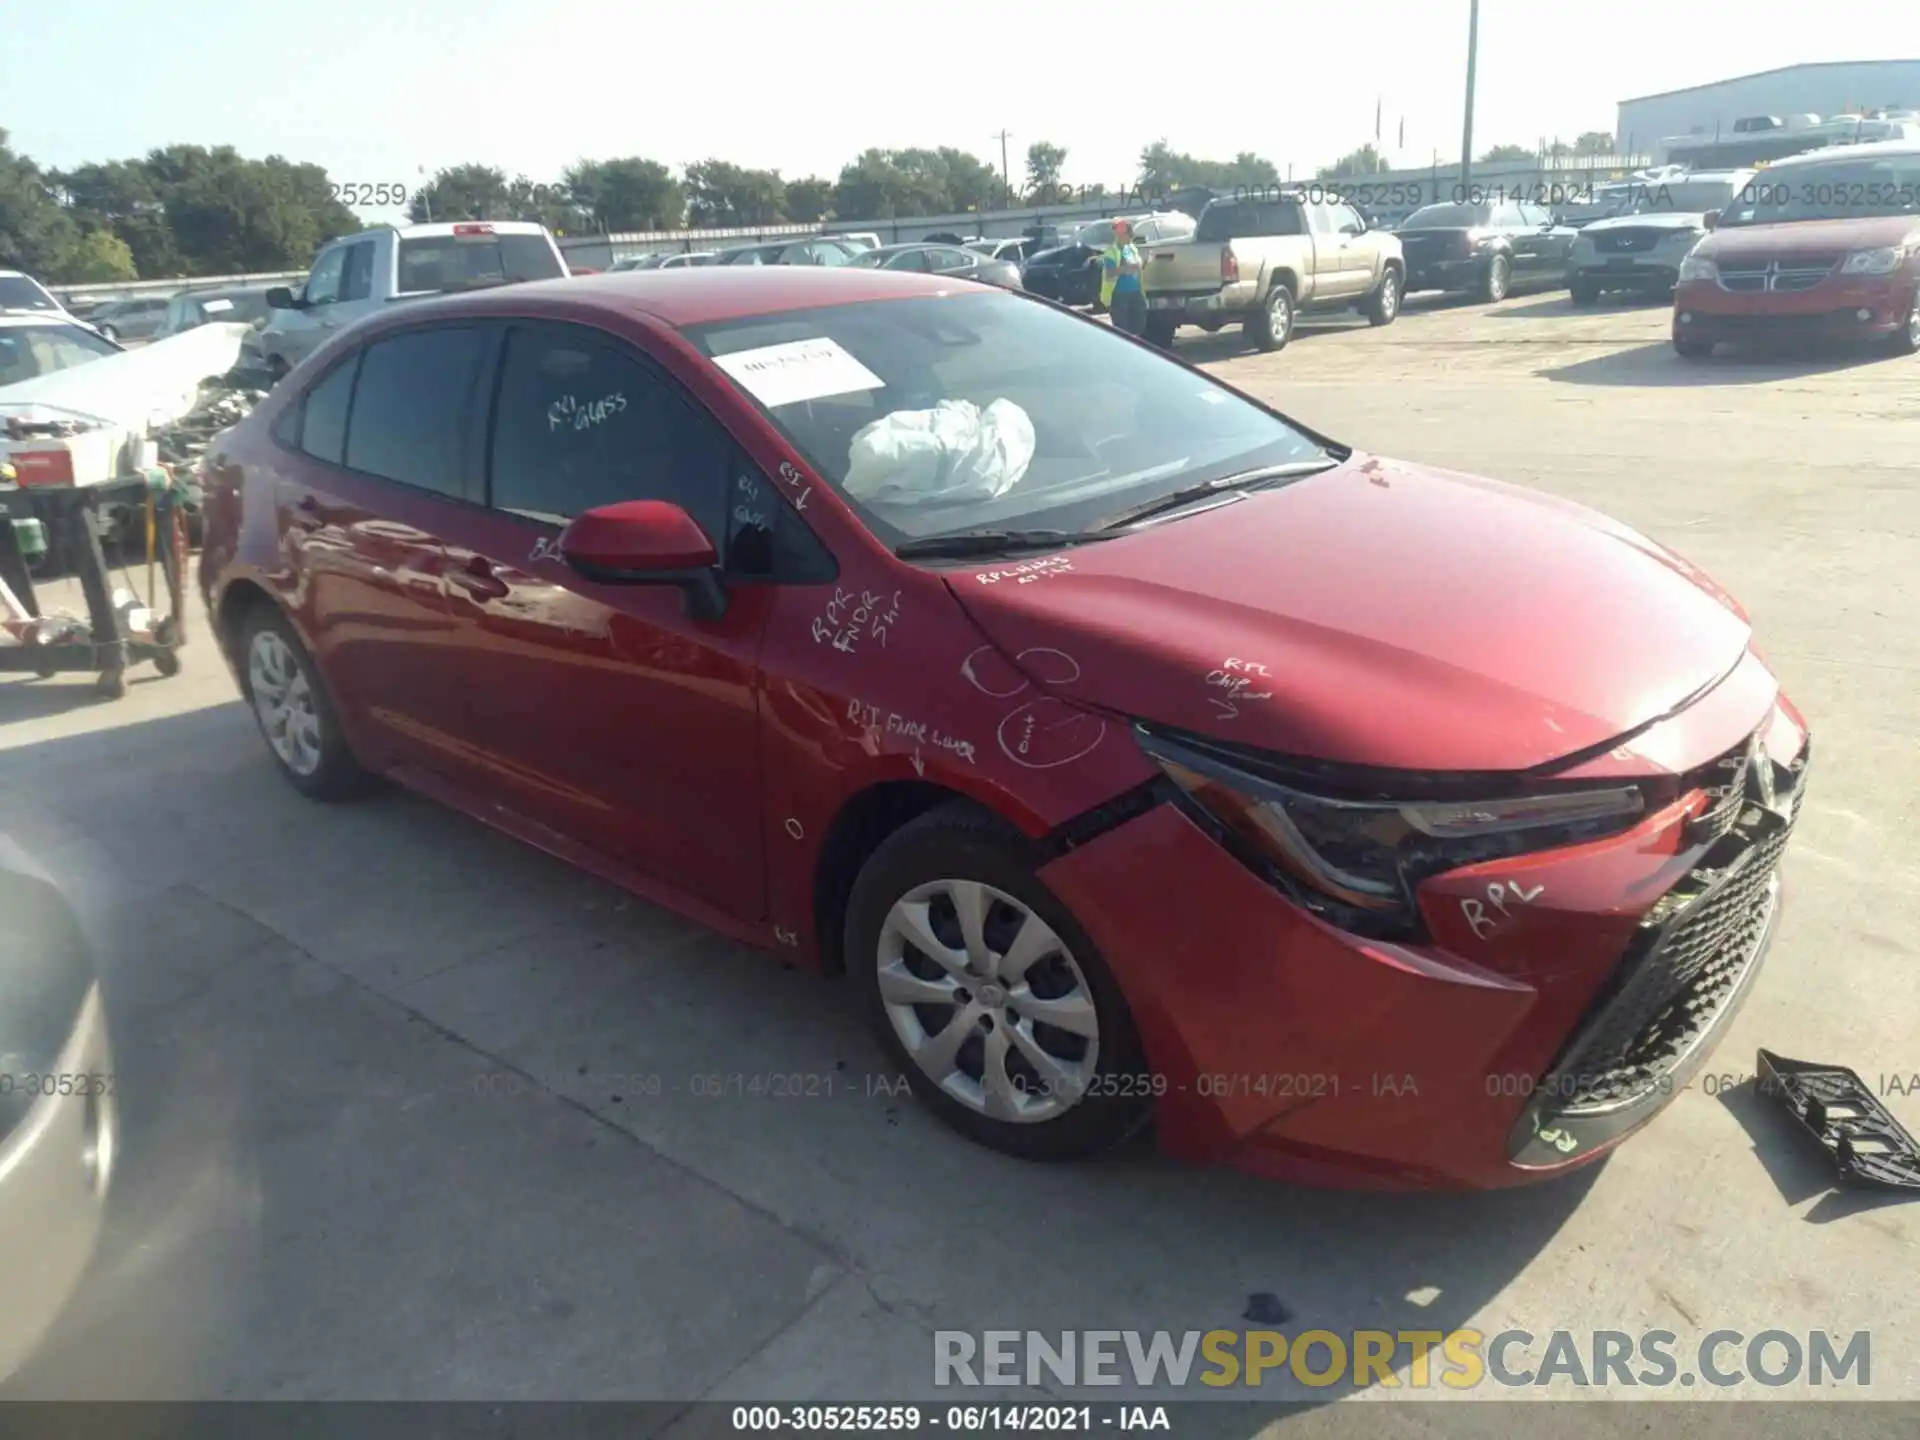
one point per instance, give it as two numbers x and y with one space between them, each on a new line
952 260
135 319
57 1106
1640 248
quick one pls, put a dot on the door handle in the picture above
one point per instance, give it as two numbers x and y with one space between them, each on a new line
476 577
306 514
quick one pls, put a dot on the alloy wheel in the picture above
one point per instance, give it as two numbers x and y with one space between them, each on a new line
284 702
988 1001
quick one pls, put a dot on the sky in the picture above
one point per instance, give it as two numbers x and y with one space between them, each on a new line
382 91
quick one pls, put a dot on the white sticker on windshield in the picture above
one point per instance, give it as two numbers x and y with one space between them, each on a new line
214 307
800 370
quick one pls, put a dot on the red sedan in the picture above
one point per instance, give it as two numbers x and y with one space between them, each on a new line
1136 752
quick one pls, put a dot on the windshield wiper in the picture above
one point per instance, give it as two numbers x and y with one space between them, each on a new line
1244 480
990 542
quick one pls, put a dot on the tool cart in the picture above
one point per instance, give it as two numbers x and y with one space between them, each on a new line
120 629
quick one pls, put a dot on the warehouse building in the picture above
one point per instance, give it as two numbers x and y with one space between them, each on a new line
1835 88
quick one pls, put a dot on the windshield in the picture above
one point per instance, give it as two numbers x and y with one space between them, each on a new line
29 351
452 262
1044 421
17 292
1686 197
1447 217
1836 190
241 309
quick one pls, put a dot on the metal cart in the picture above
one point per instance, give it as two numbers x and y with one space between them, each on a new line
107 645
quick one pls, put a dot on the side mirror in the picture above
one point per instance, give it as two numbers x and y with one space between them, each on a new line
647 542
281 298
1711 219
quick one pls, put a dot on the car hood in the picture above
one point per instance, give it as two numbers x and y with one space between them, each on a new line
1378 614
1660 220
1865 232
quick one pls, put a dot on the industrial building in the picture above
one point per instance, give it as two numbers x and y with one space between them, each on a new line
1825 89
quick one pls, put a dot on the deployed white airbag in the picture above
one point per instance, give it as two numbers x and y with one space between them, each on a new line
953 452
154 385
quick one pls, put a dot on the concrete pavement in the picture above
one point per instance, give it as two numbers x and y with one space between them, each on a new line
415 1112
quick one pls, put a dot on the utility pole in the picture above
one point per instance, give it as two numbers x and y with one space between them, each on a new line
1466 127
1006 179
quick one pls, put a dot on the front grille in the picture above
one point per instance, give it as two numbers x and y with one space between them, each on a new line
1790 274
1626 242
1693 951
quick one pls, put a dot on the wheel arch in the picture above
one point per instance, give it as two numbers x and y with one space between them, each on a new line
865 821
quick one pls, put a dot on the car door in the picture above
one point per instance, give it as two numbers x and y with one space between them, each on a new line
1359 249
299 332
381 449
1332 273
356 300
606 714
908 260
1555 240
1524 240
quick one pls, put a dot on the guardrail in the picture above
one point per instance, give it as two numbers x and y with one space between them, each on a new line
133 289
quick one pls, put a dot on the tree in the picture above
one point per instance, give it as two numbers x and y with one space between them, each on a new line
97 257
872 187
1500 153
34 231
1365 161
124 197
1164 170
1045 161
462 192
1594 142
232 217
948 181
809 199
720 193
627 194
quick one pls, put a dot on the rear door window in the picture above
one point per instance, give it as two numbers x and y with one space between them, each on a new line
412 407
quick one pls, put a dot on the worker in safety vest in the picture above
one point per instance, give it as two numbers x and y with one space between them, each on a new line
1120 288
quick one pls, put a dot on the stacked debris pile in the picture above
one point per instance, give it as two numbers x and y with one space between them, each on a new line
224 401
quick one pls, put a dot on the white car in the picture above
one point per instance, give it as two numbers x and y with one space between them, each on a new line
22 293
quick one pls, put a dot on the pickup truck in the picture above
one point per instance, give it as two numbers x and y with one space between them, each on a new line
1262 259
357 275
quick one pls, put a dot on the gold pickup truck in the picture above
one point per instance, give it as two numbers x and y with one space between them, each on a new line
1263 258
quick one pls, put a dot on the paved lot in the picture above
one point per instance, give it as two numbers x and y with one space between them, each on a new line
384 1073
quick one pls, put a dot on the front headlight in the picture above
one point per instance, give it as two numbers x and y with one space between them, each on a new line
1698 267
1883 261
1358 862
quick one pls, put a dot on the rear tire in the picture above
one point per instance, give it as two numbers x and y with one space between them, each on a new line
1272 327
296 715
1383 306
906 948
1693 350
1583 292
1159 330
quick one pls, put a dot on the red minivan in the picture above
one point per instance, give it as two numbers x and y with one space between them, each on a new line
1136 752
1824 245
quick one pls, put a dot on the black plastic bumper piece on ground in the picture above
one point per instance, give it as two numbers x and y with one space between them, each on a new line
1871 1149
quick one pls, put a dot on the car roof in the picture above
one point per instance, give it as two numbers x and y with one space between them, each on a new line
705 293
1870 150
900 245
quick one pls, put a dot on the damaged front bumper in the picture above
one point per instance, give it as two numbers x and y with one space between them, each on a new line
1869 1148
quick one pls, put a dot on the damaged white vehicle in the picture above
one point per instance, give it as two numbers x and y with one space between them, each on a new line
99 416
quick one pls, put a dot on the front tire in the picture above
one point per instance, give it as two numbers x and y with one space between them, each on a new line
1272 327
295 713
1497 280
1693 350
1906 340
988 995
1383 306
